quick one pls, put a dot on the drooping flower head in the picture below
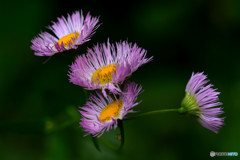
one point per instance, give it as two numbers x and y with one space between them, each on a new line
68 34
202 100
107 65
100 113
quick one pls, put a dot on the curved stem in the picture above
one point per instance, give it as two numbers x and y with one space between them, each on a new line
152 113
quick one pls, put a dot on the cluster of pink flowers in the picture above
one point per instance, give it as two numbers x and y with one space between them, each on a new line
105 68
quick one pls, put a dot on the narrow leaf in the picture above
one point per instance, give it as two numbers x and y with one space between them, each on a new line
95 142
120 125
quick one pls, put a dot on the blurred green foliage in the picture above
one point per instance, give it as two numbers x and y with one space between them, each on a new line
38 111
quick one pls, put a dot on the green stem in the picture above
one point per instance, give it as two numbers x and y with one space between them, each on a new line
152 113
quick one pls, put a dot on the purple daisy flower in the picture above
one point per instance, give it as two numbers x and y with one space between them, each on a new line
69 33
107 65
101 114
201 100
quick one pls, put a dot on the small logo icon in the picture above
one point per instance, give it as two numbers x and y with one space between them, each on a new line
212 154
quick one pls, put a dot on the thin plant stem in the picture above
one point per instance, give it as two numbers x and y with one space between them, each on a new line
152 113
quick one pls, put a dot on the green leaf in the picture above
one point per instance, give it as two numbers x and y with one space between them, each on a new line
120 125
95 142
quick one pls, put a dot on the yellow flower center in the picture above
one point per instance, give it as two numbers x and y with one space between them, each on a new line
104 75
111 110
68 38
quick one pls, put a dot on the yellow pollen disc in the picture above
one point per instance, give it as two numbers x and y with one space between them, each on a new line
111 110
68 38
104 75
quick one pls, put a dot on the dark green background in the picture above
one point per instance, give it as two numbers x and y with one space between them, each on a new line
38 106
